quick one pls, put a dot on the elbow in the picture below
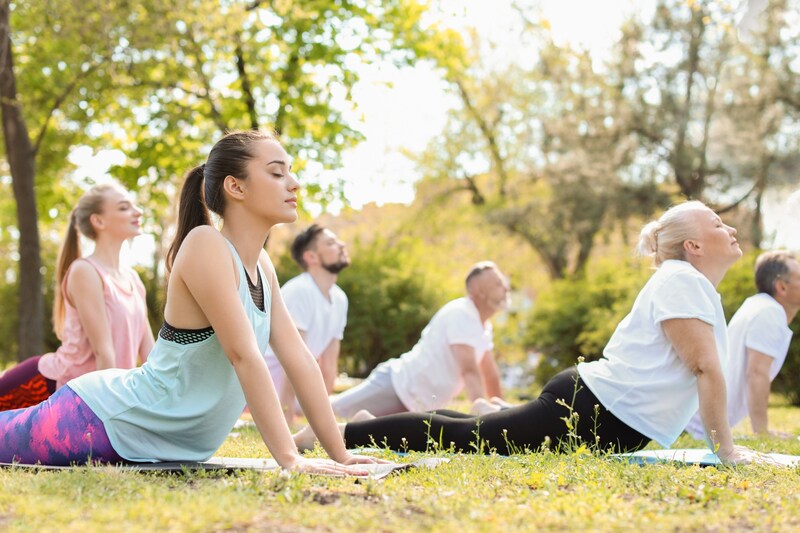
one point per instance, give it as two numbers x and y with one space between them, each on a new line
705 368
241 357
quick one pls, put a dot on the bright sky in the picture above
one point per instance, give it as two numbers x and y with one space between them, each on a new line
404 108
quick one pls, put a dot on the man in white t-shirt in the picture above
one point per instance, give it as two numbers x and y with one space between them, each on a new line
758 340
317 305
453 353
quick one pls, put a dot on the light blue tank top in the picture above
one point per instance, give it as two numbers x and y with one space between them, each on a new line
182 403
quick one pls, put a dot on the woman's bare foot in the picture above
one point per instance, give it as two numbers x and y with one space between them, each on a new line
362 415
305 439
482 406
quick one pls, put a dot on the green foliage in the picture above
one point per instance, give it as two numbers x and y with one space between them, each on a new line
393 293
9 319
576 316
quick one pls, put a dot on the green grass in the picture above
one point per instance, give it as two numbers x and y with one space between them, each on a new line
540 491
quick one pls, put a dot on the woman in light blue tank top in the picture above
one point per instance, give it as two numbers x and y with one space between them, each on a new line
207 362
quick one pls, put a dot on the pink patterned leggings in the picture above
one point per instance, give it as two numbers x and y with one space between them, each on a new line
60 431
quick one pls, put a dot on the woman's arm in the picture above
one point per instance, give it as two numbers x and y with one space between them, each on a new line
85 292
203 291
303 372
694 342
146 344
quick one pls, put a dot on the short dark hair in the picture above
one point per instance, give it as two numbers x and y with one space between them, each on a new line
770 267
304 241
478 269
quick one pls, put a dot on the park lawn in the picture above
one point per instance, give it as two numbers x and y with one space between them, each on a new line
542 491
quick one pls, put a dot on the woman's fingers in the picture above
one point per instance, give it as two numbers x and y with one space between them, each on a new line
327 467
364 459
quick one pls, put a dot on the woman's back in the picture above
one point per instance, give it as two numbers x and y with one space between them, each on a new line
182 403
126 310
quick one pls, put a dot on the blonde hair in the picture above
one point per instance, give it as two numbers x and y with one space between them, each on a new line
663 239
91 203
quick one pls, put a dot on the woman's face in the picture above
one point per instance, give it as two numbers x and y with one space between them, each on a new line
716 239
270 187
119 216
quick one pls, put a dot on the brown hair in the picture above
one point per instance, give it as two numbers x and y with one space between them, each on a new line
304 241
91 203
202 188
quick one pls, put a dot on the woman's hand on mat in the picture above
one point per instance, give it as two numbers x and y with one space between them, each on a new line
744 456
323 466
353 459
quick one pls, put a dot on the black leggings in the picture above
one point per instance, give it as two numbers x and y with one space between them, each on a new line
523 428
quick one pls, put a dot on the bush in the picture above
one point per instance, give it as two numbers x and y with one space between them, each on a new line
576 316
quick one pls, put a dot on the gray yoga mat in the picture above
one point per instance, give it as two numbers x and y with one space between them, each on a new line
230 464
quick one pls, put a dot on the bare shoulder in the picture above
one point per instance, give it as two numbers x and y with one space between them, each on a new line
84 274
203 243
83 281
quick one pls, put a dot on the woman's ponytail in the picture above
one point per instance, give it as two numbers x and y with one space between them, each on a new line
70 251
192 211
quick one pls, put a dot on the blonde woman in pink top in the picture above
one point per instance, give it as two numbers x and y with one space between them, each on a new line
99 311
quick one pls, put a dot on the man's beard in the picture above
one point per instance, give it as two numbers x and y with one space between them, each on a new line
338 266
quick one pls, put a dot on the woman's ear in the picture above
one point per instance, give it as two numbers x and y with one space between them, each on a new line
233 187
97 222
691 247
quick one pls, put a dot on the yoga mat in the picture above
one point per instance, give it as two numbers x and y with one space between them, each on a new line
231 464
693 456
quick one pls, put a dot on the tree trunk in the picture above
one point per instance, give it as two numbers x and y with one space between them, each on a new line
22 161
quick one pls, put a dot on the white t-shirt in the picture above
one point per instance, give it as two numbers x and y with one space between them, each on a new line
641 379
428 377
759 324
320 319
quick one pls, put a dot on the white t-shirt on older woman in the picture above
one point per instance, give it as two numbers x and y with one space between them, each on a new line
640 378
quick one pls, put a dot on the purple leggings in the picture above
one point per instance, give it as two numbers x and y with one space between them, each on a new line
60 431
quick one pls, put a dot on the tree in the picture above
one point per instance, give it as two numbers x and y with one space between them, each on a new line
542 151
160 81
759 98
715 110
23 153
22 164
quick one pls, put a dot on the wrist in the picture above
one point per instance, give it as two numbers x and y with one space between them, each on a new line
340 456
287 460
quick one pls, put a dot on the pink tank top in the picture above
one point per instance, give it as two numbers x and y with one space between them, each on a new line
127 317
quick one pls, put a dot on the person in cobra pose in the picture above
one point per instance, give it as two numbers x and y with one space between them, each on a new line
99 313
662 361
222 308
317 305
759 337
